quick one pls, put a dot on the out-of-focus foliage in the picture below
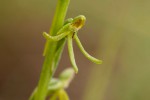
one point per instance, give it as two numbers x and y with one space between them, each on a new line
125 48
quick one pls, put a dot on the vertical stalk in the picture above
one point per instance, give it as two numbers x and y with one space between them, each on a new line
50 50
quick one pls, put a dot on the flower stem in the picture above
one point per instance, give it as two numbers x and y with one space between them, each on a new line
50 50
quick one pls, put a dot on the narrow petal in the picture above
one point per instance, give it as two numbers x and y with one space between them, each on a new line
71 53
97 61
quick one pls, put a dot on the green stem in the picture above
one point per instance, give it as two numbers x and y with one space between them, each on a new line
47 69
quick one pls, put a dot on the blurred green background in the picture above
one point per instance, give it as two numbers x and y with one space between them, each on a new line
116 31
